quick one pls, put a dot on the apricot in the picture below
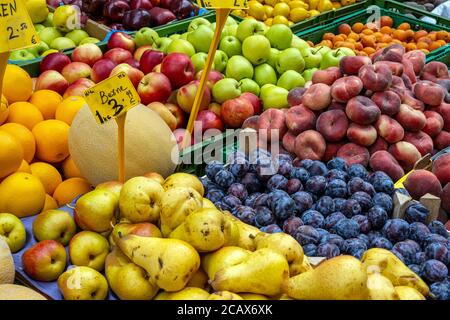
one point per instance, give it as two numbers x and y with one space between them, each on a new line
434 46
404 26
386 30
326 43
338 38
409 35
410 46
354 36
369 50
386 21
368 41
328 36
367 32
399 35
422 45
443 35
358 27
345 29
359 46
419 34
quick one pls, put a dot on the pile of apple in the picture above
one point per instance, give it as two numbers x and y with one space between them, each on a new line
387 111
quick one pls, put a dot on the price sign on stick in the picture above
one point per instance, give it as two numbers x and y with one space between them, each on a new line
223 4
16 28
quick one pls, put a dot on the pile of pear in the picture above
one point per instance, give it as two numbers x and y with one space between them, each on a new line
197 252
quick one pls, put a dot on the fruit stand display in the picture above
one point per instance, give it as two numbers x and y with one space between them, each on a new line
318 166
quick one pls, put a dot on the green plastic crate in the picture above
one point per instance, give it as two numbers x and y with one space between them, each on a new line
441 56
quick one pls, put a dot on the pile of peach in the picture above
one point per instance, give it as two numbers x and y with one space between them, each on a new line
367 38
388 112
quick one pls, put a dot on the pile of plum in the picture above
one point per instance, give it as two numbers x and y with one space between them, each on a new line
331 209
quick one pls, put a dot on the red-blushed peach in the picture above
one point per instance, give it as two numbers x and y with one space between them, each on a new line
435 123
429 93
337 106
332 125
417 58
421 141
377 55
380 144
289 141
389 129
442 140
395 67
317 97
310 145
346 88
252 123
398 86
327 76
445 200
421 182
392 53
411 119
331 151
350 65
434 71
409 99
407 82
353 154
376 78
441 168
272 119
295 96
299 119
384 161
362 110
405 153
388 101
408 71
444 111
364 135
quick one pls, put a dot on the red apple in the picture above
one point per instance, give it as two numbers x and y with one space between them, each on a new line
186 96
254 100
118 55
150 59
213 77
236 111
78 87
209 120
88 53
141 4
178 113
121 40
157 68
216 108
102 69
54 61
76 70
45 261
133 63
52 80
140 51
179 68
154 87
135 75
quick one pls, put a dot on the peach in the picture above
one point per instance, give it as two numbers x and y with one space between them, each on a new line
299 119
332 125
376 77
395 67
392 53
388 102
295 96
389 129
398 86
434 124
362 110
289 142
417 58
444 111
270 120
421 141
442 140
350 65
434 71
445 201
380 144
354 154
441 168
407 82
310 145
411 119
405 153
346 88
408 71
409 99
317 97
429 93
337 106
421 182
331 151
384 161
364 135
327 76
251 122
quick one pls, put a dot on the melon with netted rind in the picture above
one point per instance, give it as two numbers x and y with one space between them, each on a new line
7 271
16 292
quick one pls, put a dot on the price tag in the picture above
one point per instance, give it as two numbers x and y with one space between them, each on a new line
223 4
16 28
111 98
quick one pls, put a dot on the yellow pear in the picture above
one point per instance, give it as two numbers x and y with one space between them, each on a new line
126 279
170 263
37 9
224 295
253 296
177 204
385 262
340 278
264 272
246 233
163 295
297 267
408 293
324 5
208 204
83 283
380 288
181 179
283 244
313 4
223 258
188 293
199 280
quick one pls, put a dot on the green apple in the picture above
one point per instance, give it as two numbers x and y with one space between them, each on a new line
280 36
312 57
249 27
332 58
199 61
291 79
323 49
22 55
38 49
248 85
77 36
89 40
299 43
347 51
162 44
274 97
226 89
290 59
256 49
232 30
201 38
55 225
184 36
12 231
273 57
49 21
230 21
49 34
62 43
145 36
265 74
197 22
38 27
175 36
308 73
239 68
181 46
231 46
220 61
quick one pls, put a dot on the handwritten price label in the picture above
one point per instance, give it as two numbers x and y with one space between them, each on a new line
111 98
16 28
223 4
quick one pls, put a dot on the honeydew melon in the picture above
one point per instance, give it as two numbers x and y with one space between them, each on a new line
7 271
16 292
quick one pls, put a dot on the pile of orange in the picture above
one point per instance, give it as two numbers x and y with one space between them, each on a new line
36 170
367 38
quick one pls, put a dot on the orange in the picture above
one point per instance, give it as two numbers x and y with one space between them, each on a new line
4 110
46 101
24 167
22 194
48 175
25 138
25 113
11 154
50 203
404 26
17 84
70 189
52 140
70 169
386 21
68 108
358 27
